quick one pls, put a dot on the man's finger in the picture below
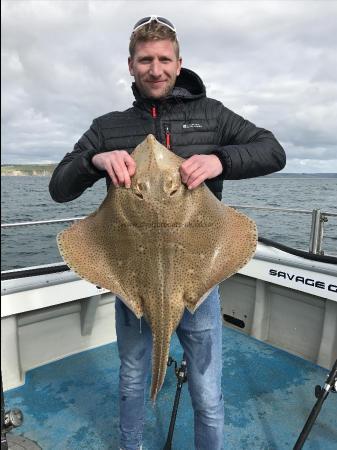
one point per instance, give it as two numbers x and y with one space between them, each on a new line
126 168
197 181
117 165
111 173
190 160
200 172
187 171
126 175
185 166
130 164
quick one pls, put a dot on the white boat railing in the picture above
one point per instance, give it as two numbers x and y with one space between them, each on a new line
318 219
40 222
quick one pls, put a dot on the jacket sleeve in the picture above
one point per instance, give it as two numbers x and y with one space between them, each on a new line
247 151
75 172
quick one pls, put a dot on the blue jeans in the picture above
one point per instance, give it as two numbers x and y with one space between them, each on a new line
200 335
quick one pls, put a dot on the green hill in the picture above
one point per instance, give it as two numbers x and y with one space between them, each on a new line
27 169
47 170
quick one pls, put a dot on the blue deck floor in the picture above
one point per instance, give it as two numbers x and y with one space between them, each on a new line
72 404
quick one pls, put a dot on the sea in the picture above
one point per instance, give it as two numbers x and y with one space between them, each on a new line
26 198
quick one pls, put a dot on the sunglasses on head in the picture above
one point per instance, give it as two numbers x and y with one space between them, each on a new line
150 19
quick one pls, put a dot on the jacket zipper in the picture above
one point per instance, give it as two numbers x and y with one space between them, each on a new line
154 111
154 114
167 136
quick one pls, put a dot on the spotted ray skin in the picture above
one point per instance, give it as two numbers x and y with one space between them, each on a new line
159 246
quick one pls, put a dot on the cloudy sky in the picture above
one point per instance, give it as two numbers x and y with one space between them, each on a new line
273 62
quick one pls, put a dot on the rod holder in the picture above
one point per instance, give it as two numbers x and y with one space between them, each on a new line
316 234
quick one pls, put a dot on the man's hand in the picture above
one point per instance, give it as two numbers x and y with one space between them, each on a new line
199 168
119 165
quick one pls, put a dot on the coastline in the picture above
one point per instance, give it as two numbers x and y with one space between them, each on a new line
48 173
22 170
23 174
46 170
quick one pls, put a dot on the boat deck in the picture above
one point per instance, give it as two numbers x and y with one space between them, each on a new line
71 404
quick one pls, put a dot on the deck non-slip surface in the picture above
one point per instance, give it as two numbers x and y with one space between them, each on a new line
72 403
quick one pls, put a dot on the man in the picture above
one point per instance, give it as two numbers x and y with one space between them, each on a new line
217 144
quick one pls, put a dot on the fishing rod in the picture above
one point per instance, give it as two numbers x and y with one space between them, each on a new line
4 444
181 374
321 394
10 419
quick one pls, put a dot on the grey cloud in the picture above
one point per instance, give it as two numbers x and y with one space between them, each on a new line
65 63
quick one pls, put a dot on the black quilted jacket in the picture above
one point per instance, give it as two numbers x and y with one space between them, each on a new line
189 121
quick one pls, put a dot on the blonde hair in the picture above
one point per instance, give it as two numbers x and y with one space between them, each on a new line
153 31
